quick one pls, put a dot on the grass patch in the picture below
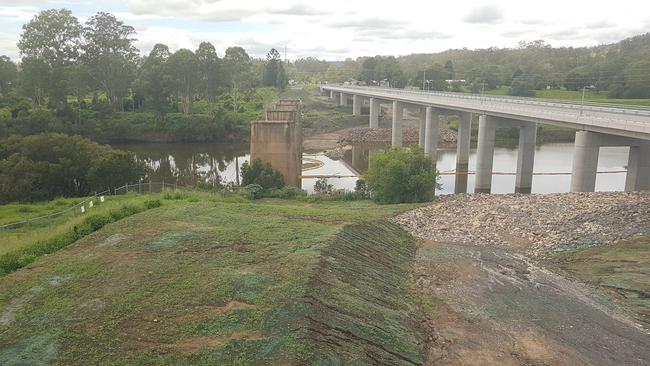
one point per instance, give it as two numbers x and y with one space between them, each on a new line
621 271
41 230
214 282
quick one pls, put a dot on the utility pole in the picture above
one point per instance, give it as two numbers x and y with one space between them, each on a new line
424 77
582 106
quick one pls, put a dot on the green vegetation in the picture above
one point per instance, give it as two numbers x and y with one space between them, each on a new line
212 282
20 257
41 167
261 174
401 175
46 228
619 271
90 80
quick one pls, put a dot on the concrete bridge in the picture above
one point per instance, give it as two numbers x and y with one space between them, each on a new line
597 126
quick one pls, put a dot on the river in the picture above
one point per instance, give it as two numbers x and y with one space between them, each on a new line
184 163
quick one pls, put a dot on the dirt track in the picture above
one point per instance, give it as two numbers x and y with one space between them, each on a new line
497 308
493 298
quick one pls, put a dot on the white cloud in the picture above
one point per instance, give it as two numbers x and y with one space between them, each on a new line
338 29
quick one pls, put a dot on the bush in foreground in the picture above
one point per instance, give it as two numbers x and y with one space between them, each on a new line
400 176
262 174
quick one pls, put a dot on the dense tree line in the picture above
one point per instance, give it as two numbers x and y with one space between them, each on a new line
92 71
621 69
45 166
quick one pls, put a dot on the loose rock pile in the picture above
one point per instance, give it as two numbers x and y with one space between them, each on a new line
383 135
536 222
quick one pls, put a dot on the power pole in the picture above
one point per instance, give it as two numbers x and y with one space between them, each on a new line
424 77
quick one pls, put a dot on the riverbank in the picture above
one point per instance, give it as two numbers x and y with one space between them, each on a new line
558 279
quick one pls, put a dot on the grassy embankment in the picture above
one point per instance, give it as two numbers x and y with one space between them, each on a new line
228 283
620 271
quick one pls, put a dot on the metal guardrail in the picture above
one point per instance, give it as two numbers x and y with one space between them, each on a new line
573 106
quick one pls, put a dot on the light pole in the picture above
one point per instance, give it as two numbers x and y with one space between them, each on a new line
582 105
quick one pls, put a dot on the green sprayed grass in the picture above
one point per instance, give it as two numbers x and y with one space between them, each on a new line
208 282
42 229
621 271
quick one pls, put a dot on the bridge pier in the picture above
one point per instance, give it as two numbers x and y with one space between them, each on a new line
485 154
332 95
432 121
526 158
398 114
356 105
462 152
638 168
374 113
343 99
423 128
585 161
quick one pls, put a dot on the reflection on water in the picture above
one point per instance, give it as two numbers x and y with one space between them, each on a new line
549 158
186 163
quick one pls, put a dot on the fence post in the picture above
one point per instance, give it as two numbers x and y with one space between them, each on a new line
149 186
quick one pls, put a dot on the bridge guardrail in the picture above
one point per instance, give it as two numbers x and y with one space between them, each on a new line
597 107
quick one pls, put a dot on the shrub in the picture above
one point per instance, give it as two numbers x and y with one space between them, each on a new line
253 191
401 175
361 188
323 187
262 174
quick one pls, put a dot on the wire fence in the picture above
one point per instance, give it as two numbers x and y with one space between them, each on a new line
72 211
90 202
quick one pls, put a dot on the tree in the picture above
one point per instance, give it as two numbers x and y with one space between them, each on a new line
182 67
52 38
637 80
522 86
577 79
261 173
35 79
209 78
154 82
401 175
449 68
8 75
110 55
237 65
274 74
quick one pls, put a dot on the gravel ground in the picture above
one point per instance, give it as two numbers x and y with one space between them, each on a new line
410 135
536 222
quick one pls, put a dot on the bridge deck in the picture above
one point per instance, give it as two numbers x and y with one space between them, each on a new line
622 121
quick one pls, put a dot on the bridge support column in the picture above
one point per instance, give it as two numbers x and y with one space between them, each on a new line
374 113
332 95
462 152
356 105
484 154
585 162
423 128
526 158
432 119
638 168
343 99
398 114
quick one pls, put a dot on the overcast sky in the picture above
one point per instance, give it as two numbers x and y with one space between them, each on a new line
337 29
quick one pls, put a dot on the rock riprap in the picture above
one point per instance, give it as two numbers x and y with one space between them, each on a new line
536 222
